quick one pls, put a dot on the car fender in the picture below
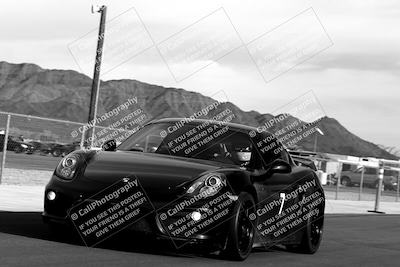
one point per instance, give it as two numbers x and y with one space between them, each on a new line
239 181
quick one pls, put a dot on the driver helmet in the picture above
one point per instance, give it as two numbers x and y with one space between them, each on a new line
243 153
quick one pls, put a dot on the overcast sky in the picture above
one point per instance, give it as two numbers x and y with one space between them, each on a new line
356 79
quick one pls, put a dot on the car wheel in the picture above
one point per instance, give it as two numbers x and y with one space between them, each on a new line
241 232
345 181
56 153
311 237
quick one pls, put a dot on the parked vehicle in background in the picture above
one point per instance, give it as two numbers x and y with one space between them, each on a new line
37 146
16 144
61 150
54 149
353 177
43 148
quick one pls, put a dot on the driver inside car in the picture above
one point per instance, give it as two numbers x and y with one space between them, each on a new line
241 155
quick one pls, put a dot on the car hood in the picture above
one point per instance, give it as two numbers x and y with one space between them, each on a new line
157 173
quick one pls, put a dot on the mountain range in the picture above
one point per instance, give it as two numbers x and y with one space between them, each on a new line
64 94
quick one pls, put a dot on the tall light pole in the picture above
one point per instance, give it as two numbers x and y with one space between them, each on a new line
94 95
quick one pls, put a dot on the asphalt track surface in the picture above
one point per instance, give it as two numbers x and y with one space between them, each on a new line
349 240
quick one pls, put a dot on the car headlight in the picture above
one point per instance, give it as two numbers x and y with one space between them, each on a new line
24 146
68 166
207 185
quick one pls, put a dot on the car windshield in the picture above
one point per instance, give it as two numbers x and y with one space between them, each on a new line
201 141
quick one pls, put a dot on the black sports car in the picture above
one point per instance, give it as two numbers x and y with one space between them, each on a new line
16 144
61 150
226 186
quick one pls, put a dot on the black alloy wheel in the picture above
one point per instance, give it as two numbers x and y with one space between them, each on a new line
241 231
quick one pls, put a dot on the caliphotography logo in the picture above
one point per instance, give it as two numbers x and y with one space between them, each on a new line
199 133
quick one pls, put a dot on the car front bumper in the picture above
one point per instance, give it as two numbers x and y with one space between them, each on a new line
56 211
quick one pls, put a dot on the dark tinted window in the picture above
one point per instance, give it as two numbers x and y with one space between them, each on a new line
346 167
208 142
270 148
370 171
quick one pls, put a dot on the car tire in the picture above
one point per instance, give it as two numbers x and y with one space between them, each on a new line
345 181
311 236
240 236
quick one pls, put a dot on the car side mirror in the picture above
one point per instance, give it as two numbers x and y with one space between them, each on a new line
280 166
277 166
109 145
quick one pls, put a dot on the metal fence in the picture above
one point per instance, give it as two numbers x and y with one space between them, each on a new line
31 146
35 146
359 181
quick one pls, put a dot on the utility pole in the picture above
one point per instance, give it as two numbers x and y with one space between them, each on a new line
5 144
315 142
379 188
317 130
94 95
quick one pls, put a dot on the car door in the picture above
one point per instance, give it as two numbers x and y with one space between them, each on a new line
274 189
356 176
370 176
